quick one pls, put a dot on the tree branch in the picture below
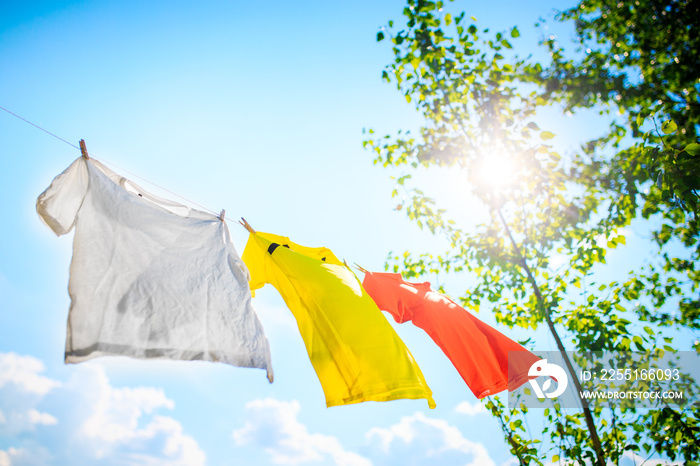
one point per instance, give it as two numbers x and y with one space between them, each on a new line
595 439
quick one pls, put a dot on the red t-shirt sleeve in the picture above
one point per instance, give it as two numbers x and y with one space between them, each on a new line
384 289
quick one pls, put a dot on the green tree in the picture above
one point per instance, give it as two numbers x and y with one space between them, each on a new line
639 59
479 101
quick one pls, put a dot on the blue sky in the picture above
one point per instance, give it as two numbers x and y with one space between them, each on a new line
256 108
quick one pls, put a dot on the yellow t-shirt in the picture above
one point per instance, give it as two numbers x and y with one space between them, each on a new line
355 352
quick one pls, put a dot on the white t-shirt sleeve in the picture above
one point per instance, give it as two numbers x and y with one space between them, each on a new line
59 204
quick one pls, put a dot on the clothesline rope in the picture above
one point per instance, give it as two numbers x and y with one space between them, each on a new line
113 165
154 184
39 127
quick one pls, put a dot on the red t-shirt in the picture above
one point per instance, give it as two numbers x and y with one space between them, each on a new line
488 361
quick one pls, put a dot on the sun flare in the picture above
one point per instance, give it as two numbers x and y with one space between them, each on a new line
495 170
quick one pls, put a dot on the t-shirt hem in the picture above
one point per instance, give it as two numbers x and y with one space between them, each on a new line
517 382
492 390
511 385
411 393
111 349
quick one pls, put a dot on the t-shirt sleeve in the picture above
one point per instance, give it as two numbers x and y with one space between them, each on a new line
58 206
383 293
254 257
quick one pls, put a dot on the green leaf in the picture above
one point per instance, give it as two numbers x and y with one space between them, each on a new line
408 98
380 36
669 127
448 19
545 135
638 342
640 119
693 149
514 32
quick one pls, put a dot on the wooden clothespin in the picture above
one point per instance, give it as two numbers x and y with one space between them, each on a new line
83 149
222 215
360 268
247 226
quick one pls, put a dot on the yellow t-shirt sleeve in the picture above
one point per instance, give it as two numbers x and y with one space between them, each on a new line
254 257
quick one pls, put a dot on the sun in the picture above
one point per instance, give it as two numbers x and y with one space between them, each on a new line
494 170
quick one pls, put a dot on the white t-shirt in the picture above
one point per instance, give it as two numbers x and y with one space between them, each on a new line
150 278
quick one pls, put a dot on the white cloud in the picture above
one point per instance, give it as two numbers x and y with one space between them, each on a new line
419 440
632 459
21 456
118 425
86 419
23 371
116 411
273 426
160 442
22 387
21 418
37 417
470 409
511 462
